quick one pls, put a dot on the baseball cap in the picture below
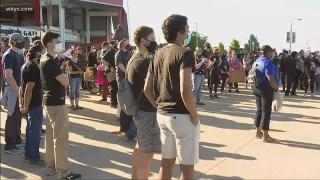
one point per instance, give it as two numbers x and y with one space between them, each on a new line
266 48
16 37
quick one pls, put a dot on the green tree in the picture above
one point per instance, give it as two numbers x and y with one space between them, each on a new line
252 43
235 45
221 47
202 40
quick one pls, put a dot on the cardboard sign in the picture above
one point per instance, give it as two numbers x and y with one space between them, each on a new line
237 76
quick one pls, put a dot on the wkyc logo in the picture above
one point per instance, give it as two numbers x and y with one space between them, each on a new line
19 9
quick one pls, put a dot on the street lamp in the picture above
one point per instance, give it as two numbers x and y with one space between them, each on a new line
197 35
291 31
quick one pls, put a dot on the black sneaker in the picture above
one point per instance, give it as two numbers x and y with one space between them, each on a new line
216 96
237 91
211 96
103 100
43 131
229 91
200 103
36 163
73 176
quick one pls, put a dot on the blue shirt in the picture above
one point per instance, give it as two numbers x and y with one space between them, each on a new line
11 61
266 67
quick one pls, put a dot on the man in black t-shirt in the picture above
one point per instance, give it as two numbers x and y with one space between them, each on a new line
57 132
31 97
109 64
148 132
168 85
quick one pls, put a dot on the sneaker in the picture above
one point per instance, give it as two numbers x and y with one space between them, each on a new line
73 176
22 143
313 95
237 91
259 135
37 163
103 100
216 96
26 159
14 151
305 95
230 91
79 107
200 103
269 139
73 107
50 171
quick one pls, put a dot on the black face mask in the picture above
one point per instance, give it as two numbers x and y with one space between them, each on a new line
152 47
19 45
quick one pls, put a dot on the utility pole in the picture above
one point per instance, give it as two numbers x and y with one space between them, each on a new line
197 36
291 31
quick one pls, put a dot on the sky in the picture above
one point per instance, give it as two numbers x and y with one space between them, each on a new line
222 20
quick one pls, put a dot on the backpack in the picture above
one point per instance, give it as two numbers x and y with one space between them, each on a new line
127 101
255 77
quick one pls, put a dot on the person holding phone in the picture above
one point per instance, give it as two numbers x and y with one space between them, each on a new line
199 75
75 73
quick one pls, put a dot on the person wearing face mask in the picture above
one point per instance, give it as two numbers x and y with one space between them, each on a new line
309 74
31 98
199 75
122 58
264 87
148 132
68 52
169 87
214 74
291 72
54 82
224 70
235 64
12 77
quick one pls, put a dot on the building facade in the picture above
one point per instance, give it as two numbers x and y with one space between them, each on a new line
77 21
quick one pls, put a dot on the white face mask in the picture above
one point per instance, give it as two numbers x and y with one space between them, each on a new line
58 48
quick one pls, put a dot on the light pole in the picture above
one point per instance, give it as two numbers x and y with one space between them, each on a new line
197 35
291 31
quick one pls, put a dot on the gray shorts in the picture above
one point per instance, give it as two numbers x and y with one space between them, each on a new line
148 132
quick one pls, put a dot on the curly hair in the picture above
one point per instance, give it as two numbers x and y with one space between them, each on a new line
172 25
141 32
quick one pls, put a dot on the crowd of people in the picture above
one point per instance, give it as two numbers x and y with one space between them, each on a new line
166 84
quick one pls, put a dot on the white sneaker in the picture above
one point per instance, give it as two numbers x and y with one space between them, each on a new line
313 95
305 95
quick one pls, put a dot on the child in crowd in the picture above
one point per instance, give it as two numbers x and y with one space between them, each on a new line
100 70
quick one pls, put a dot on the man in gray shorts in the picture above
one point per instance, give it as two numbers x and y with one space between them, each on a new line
148 132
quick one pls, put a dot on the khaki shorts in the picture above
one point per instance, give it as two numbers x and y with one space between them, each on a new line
179 138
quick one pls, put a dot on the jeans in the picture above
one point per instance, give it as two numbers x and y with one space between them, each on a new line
198 82
33 132
317 82
75 84
13 128
264 98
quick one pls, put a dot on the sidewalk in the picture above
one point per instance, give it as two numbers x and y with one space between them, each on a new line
228 148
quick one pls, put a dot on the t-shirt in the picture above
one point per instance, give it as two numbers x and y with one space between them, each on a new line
121 57
75 66
11 60
31 73
109 57
54 91
137 72
266 67
165 67
92 59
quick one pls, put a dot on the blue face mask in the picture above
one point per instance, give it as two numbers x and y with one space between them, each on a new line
187 41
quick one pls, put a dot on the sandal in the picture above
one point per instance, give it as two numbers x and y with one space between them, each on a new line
269 139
